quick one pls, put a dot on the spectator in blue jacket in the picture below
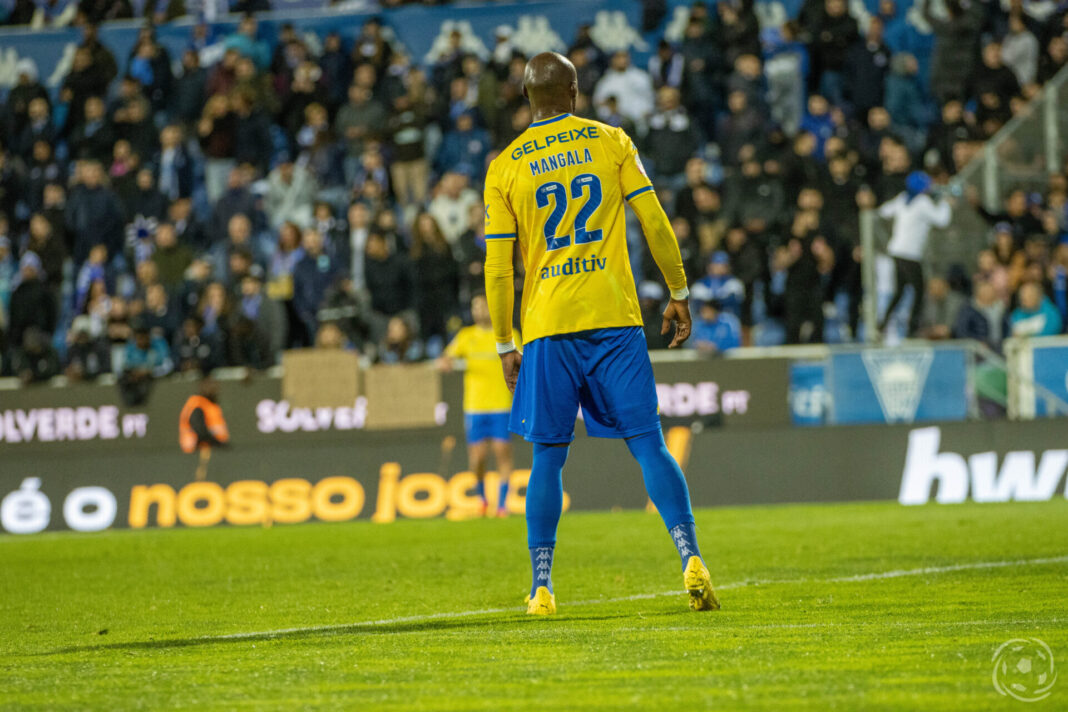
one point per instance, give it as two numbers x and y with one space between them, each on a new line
1036 315
715 330
464 148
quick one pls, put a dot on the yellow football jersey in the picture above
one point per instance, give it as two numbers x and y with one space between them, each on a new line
559 190
484 387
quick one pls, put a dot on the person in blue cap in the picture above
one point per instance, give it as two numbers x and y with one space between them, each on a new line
914 213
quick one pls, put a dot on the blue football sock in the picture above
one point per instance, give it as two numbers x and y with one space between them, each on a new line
480 490
667 488
545 499
502 494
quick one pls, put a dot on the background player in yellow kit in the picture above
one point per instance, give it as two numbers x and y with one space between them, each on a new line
558 192
487 401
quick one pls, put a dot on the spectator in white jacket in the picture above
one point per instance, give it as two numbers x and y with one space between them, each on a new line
632 88
914 213
1019 51
290 192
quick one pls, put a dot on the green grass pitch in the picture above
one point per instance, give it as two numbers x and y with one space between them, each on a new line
426 615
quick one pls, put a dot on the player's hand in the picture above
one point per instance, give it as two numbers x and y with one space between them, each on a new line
510 362
677 312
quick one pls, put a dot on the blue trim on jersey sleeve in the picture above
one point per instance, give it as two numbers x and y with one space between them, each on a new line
549 121
501 236
636 193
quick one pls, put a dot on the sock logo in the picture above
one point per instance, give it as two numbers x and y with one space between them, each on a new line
682 542
544 559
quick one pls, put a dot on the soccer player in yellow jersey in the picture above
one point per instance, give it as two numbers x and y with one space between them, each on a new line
557 193
487 401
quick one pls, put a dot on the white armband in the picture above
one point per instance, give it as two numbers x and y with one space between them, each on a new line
508 348
679 294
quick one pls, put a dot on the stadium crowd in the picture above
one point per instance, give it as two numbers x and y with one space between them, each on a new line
158 215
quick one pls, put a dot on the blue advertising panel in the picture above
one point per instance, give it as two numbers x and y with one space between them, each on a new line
808 393
1050 369
899 385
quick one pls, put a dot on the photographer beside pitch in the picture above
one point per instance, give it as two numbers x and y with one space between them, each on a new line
558 190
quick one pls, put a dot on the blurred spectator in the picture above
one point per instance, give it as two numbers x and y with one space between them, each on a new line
290 192
216 129
672 137
147 357
247 44
399 345
238 199
666 66
363 118
833 32
27 88
359 229
389 280
452 204
981 318
719 284
312 276
914 214
43 242
32 302
174 166
197 351
436 280
941 306
8 276
258 326
159 316
715 331
93 136
38 128
464 148
742 127
786 65
1035 315
410 169
88 351
631 87
1019 50
906 102
189 88
956 39
34 360
867 64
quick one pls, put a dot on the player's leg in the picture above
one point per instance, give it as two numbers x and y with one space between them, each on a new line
476 459
543 412
666 486
502 453
619 400
545 501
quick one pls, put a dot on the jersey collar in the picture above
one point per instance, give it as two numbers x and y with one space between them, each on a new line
549 121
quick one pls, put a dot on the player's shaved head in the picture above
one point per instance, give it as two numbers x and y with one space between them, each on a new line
551 83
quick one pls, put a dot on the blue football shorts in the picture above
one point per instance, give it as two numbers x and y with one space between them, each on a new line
486 426
605 371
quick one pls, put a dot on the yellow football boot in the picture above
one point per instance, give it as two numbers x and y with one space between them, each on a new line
542 604
699 585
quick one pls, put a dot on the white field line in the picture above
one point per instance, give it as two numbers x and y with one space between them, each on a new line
874 576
